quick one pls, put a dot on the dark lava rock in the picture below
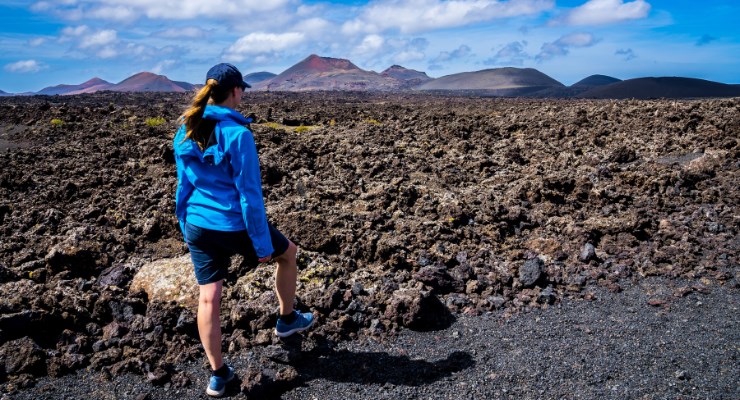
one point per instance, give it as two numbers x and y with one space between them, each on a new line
258 382
23 323
23 356
436 277
115 275
417 309
531 272
588 253
623 154
186 323
547 296
158 377
114 330
67 363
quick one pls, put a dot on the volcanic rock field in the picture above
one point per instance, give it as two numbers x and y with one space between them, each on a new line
408 209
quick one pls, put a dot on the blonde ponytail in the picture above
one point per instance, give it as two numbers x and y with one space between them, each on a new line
193 116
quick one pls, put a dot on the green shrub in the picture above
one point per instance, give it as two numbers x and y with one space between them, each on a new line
56 122
273 125
154 122
285 128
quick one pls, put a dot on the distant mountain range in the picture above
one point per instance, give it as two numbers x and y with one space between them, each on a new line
141 82
335 74
90 86
256 77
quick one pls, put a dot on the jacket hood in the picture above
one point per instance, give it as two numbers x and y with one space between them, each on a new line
219 113
214 153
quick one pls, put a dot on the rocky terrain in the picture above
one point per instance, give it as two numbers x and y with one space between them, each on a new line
410 211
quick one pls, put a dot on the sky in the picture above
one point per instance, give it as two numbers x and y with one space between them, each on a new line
50 42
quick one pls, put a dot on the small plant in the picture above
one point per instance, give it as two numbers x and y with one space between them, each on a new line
155 122
285 128
372 121
273 125
56 122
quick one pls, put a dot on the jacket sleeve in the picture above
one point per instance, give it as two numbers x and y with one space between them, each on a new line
183 192
246 173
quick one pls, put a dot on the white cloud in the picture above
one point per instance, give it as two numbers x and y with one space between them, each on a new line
601 12
105 44
190 32
25 66
107 52
127 10
98 39
445 56
162 66
562 46
370 45
115 13
146 52
71 14
260 43
85 38
576 40
37 42
511 54
423 15
407 50
408 56
313 27
70 32
42 6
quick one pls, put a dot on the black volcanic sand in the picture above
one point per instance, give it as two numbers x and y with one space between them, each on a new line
616 346
411 211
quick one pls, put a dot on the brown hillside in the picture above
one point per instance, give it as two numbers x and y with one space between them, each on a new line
74 89
148 82
408 78
507 81
326 73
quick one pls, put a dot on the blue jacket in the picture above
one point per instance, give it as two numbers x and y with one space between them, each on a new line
221 188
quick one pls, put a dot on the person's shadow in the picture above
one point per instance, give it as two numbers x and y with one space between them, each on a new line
381 368
360 367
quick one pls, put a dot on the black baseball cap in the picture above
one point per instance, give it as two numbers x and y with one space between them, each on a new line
227 74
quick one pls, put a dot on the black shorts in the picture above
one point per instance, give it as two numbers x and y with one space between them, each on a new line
211 250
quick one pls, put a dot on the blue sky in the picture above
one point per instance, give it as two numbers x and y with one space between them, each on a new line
50 42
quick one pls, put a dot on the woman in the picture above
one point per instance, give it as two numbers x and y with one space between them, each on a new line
221 210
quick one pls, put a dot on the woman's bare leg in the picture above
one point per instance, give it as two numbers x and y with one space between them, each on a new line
286 276
209 322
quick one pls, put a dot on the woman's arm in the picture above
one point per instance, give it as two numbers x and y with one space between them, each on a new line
183 191
246 174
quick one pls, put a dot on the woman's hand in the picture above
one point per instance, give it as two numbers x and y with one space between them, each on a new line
265 259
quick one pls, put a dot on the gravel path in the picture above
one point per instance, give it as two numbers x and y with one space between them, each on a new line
617 346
